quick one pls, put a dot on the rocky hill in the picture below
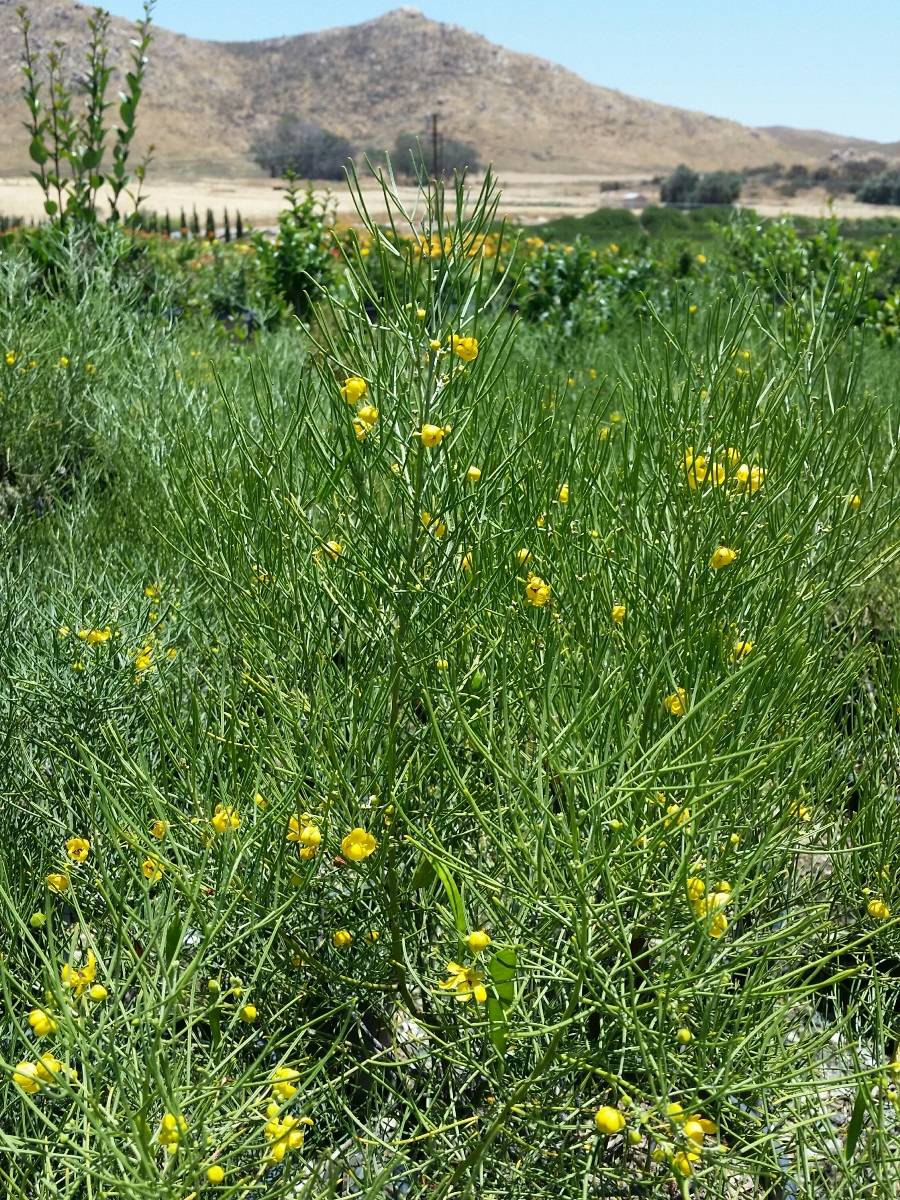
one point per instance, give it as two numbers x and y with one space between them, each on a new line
206 101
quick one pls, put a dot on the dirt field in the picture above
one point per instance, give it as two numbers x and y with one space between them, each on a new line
526 198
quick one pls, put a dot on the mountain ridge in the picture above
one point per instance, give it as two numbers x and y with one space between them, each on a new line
206 101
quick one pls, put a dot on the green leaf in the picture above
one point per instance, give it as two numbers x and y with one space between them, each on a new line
50 207
499 1029
454 899
854 1128
173 940
96 181
38 151
424 875
91 159
502 970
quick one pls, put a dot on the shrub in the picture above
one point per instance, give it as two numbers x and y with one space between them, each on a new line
68 146
300 258
303 149
685 186
883 188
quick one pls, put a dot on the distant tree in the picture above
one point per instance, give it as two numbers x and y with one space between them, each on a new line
718 187
226 229
685 186
307 150
167 225
453 154
210 225
679 187
195 223
183 225
883 188
238 226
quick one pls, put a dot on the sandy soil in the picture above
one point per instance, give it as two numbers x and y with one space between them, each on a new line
526 198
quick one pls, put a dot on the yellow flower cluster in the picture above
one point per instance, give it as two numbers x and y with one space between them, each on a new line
700 469
171 1128
32 1076
283 1131
709 906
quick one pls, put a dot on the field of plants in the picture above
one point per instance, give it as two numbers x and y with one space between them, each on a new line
449 709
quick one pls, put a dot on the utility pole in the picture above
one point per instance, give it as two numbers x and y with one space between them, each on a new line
435 145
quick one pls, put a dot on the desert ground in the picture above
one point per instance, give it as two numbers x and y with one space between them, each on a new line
527 197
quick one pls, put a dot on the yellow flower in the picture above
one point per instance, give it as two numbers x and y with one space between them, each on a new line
334 550
307 835
152 592
676 703
465 348
466 982
442 664
682 1161
49 1069
360 429
609 1120
354 389
695 468
701 259
248 1014
78 849
57 882
41 1022
283 1081
368 414
434 525
878 910
692 308
478 940
63 361
79 979
97 993
723 556
618 614
523 555
696 889
420 314
697 1128
431 435
10 358
563 494
684 1035
749 479
466 561
283 1133
358 844
537 592
473 474
25 1074
854 501
341 939
677 816
225 818
159 829
215 1175
171 1128
717 475
151 869
95 637
434 344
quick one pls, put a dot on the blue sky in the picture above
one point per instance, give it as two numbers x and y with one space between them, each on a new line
814 64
